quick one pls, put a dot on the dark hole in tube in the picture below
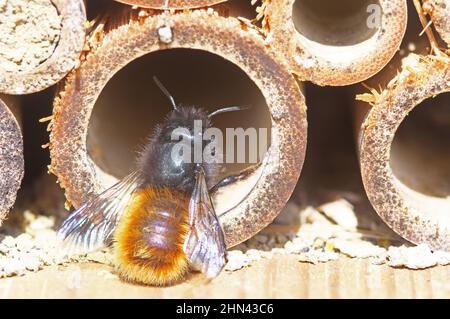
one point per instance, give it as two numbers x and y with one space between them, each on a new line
131 104
420 154
336 22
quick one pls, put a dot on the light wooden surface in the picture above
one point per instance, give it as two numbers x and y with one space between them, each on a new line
281 277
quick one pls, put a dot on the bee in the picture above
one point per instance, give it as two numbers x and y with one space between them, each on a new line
160 219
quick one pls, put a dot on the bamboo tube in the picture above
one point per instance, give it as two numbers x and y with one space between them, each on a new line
11 158
46 49
172 4
405 155
404 140
221 45
335 42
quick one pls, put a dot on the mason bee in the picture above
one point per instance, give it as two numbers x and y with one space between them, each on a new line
160 219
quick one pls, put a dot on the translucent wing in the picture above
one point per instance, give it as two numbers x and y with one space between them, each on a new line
91 226
204 245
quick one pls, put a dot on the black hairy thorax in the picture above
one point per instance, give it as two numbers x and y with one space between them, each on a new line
157 164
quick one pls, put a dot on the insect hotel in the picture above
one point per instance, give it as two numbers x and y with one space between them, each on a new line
225 149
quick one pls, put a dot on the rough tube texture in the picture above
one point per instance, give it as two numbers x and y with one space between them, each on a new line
362 38
418 214
11 159
202 30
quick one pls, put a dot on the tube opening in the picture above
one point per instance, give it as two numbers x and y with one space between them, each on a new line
237 8
337 23
30 32
420 153
131 105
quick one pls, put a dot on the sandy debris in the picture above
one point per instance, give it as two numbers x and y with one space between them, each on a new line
237 260
30 31
315 256
310 215
341 212
38 247
328 232
165 35
31 250
358 248
419 257
25 253
320 237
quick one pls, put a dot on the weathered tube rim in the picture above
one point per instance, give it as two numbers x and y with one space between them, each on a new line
11 159
401 207
202 30
64 58
439 10
172 4
335 65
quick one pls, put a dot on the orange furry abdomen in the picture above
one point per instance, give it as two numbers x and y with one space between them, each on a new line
150 236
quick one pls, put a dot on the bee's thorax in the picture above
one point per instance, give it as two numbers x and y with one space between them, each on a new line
157 163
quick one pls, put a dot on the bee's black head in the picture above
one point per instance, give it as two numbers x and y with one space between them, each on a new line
161 165
182 117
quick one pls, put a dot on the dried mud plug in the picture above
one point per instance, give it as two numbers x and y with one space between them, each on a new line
11 159
333 42
110 104
172 4
41 42
405 152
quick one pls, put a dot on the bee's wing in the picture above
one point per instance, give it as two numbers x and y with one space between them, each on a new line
204 245
91 226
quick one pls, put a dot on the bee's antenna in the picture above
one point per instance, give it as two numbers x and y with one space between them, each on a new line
228 109
165 91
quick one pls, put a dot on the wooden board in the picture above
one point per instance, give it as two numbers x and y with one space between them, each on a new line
281 277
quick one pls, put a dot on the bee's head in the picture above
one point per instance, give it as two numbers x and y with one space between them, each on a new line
168 159
188 119
175 149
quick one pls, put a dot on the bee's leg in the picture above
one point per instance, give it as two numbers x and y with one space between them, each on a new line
242 175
